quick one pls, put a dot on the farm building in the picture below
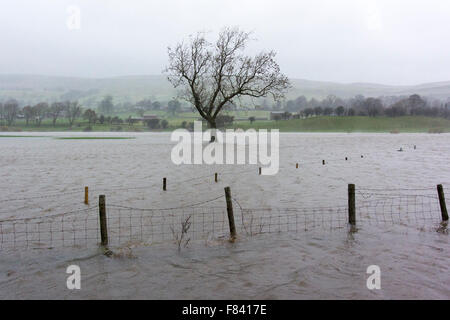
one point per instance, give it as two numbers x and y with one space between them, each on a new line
144 118
280 115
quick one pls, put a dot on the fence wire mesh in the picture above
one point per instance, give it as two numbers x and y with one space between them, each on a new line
129 225
180 225
76 228
417 207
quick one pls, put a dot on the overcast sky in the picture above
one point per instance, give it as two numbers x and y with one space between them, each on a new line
385 41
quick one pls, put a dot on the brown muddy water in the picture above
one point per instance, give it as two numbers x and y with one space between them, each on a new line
323 263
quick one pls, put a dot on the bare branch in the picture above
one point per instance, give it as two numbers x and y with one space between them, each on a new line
211 76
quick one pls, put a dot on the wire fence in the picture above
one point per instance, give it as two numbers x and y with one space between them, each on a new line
207 221
402 206
111 188
200 221
130 225
75 228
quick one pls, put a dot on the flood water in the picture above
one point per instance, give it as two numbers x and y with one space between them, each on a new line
43 176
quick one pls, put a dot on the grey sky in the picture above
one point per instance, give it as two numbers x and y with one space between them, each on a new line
391 42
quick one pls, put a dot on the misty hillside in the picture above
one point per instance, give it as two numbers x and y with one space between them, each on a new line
29 89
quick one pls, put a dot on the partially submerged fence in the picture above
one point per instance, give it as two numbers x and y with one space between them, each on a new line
73 228
117 225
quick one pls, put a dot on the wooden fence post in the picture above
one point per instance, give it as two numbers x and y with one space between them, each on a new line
444 212
86 195
296 166
351 204
230 213
323 162
164 184
215 177
259 170
103 223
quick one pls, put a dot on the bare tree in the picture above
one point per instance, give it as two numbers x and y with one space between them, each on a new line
339 111
90 115
55 111
28 113
1 113
40 111
73 111
373 107
173 106
10 110
212 75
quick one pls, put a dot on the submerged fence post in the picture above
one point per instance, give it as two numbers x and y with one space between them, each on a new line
351 204
86 195
323 162
230 212
444 212
215 177
296 166
164 184
103 224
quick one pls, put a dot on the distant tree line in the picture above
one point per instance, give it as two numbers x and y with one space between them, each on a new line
413 105
10 111
173 106
70 110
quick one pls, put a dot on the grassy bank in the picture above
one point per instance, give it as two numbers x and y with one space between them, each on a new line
95 138
314 124
353 124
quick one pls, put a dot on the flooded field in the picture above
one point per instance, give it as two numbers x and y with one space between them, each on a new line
398 219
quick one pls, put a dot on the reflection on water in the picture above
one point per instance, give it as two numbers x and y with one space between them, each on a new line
317 264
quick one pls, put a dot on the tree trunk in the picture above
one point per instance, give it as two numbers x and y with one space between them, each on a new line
213 126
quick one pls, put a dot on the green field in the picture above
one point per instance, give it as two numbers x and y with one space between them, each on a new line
313 124
174 121
353 124
22 136
94 138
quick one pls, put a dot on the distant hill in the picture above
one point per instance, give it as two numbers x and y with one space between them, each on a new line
322 89
30 89
34 88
